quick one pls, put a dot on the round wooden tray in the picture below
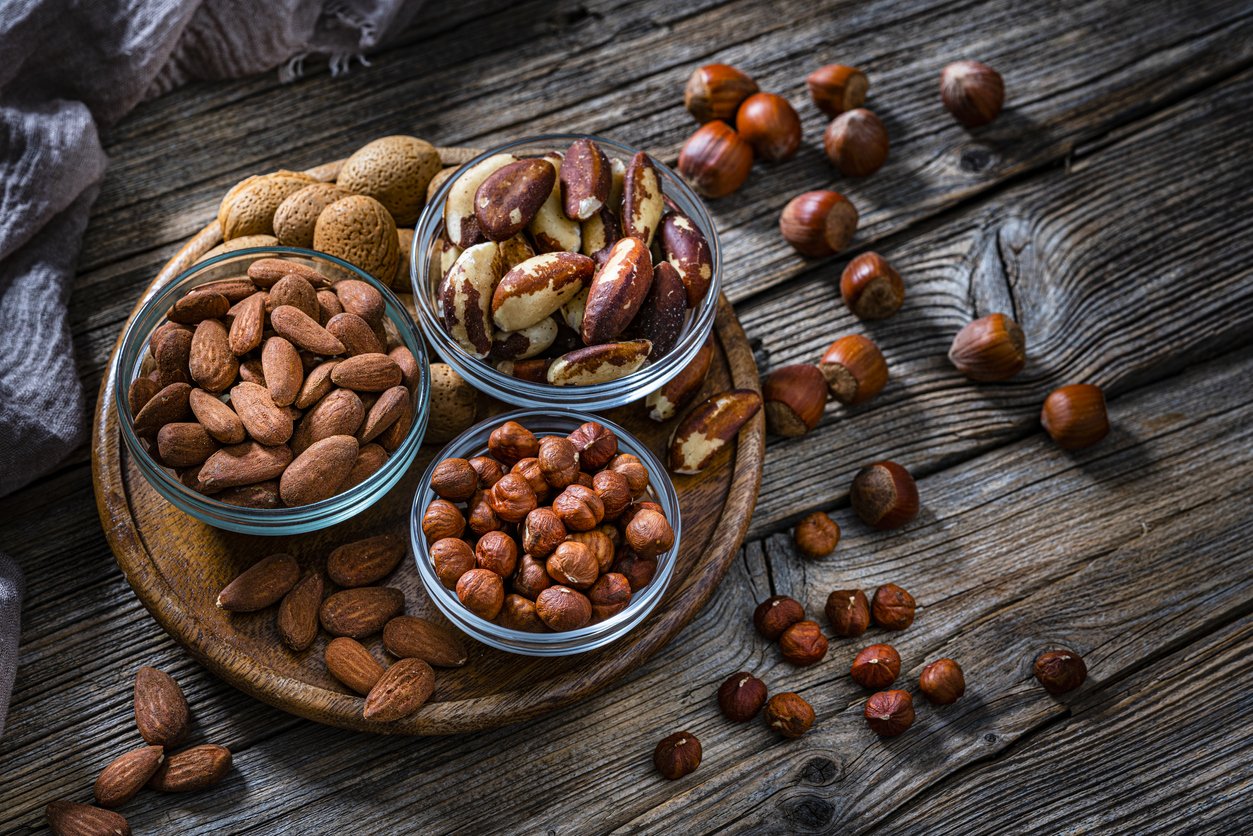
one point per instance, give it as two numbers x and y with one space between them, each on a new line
176 565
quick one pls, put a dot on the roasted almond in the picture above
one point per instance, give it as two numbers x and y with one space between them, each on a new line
195 307
360 612
617 292
688 252
551 230
389 407
266 272
298 612
466 296
660 320
262 418
350 663
585 179
197 768
235 289
536 288
392 437
218 419
460 223
141 390
364 562
212 363
167 405
304 332
126 775
642 203
402 690
316 384
317 473
410 637
261 585
361 298
296 291
243 464
369 459
171 348
339 413
664 403
367 373
598 363
355 333
284 374
248 325
260 495
67 818
708 428
329 306
182 444
160 708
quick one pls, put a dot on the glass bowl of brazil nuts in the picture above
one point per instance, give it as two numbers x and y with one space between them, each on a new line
545 533
272 391
566 269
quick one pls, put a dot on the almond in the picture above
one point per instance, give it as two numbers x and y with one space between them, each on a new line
248 324
267 272
402 690
212 363
160 708
551 230
235 289
243 464
409 371
511 196
184 444
369 459
317 383
642 204
660 320
460 223
284 374
339 413
126 775
598 363
250 371
361 298
260 495
197 768
298 613
261 585
140 392
218 419
329 306
466 296
317 473
687 251
350 663
360 612
618 291
664 403
355 333
410 637
392 437
304 332
196 307
585 179
66 818
367 373
538 287
262 418
168 405
364 562
388 409
296 291
171 349
707 429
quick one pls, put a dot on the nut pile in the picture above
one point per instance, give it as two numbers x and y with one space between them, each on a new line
276 388
545 533
163 718
358 610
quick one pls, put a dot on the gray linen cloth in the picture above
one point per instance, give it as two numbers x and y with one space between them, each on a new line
70 67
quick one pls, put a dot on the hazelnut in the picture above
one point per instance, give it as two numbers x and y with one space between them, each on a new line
989 349
558 461
789 714
1074 416
488 469
531 578
610 595
633 469
715 91
892 607
816 535
562 608
649 533
596 444
741 696
972 91
452 558
1060 671
511 442
482 518
794 397
848 611
614 492
715 160
598 543
856 142
542 532
518 613
854 369
803 643
454 480
818 224
889 713
529 469
572 564
876 666
884 495
677 755
769 123
942 682
512 498
442 519
871 287
496 552
836 88
637 570
776 614
579 508
482 591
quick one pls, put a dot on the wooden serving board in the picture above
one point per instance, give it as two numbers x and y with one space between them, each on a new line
177 565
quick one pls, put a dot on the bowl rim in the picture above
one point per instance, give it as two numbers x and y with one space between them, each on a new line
285 520
569 642
520 392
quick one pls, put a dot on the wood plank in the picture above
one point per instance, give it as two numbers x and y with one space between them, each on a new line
1173 738
1107 289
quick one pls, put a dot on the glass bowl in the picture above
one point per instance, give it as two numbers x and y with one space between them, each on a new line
425 274
268 521
542 422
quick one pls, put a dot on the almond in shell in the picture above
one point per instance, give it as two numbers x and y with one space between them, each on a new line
197 768
261 585
160 708
402 690
296 216
249 207
350 663
317 473
395 170
362 232
361 611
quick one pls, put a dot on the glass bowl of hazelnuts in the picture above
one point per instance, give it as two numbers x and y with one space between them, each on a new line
566 269
545 534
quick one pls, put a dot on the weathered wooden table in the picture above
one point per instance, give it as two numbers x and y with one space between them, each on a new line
1110 209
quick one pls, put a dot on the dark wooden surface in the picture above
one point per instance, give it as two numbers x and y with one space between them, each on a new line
1110 208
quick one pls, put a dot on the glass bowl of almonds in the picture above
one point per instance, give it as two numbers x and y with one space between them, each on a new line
566 269
545 533
272 391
